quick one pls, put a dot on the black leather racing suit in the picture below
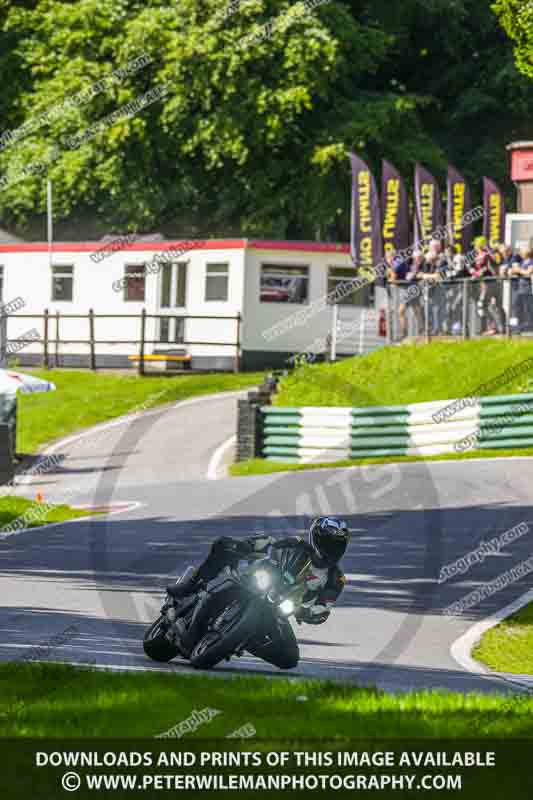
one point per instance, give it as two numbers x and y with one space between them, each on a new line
324 585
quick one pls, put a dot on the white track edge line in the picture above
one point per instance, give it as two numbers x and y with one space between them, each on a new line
217 457
462 647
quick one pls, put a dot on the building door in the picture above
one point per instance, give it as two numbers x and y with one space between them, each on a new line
172 296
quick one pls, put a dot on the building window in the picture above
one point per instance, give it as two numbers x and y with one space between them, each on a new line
166 283
340 281
173 285
135 275
172 330
216 282
284 284
62 283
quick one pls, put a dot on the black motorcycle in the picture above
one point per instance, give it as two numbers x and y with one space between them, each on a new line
237 609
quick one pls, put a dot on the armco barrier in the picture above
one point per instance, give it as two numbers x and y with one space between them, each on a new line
332 434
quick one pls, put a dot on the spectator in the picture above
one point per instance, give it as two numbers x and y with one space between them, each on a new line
414 279
390 255
485 271
449 254
521 271
460 269
506 254
397 273
457 273
434 272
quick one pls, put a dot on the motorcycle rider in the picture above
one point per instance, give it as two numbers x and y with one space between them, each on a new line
327 541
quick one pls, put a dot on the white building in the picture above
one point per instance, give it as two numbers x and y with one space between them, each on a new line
192 301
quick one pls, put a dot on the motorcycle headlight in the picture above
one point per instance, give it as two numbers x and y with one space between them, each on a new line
263 579
286 607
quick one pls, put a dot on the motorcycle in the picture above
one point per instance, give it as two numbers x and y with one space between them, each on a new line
237 609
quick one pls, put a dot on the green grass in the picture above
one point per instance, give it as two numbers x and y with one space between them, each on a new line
11 508
83 399
260 466
408 374
508 647
401 375
54 700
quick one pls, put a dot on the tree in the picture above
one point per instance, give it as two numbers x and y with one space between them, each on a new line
457 54
253 131
516 17
263 100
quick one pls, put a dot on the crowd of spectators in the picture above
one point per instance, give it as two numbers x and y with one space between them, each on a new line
432 282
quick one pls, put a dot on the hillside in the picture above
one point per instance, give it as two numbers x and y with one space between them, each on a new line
412 374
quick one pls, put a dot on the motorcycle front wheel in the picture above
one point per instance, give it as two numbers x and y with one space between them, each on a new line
156 645
221 642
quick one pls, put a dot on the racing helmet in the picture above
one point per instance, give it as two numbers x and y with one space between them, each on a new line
328 537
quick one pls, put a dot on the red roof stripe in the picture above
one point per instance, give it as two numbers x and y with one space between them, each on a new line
90 247
211 244
303 247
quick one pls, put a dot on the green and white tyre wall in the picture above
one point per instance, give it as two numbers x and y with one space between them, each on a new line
307 434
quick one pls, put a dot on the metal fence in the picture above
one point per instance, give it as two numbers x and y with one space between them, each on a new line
462 308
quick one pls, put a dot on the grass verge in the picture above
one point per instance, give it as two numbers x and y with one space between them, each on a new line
508 647
260 466
45 700
35 514
84 399
411 374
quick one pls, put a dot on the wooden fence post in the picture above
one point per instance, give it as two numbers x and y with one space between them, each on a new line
91 334
238 353
46 362
143 338
57 339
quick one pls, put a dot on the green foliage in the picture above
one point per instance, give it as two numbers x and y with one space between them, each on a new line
516 16
252 135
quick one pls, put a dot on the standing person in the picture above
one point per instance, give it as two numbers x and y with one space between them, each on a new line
506 254
449 254
451 290
484 271
506 260
522 299
415 289
513 260
459 273
398 269
435 272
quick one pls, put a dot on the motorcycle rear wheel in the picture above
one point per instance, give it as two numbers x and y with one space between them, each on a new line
156 645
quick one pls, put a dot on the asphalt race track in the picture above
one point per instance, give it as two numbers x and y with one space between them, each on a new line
105 576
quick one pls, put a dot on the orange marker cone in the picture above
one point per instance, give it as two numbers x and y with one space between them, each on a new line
40 497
